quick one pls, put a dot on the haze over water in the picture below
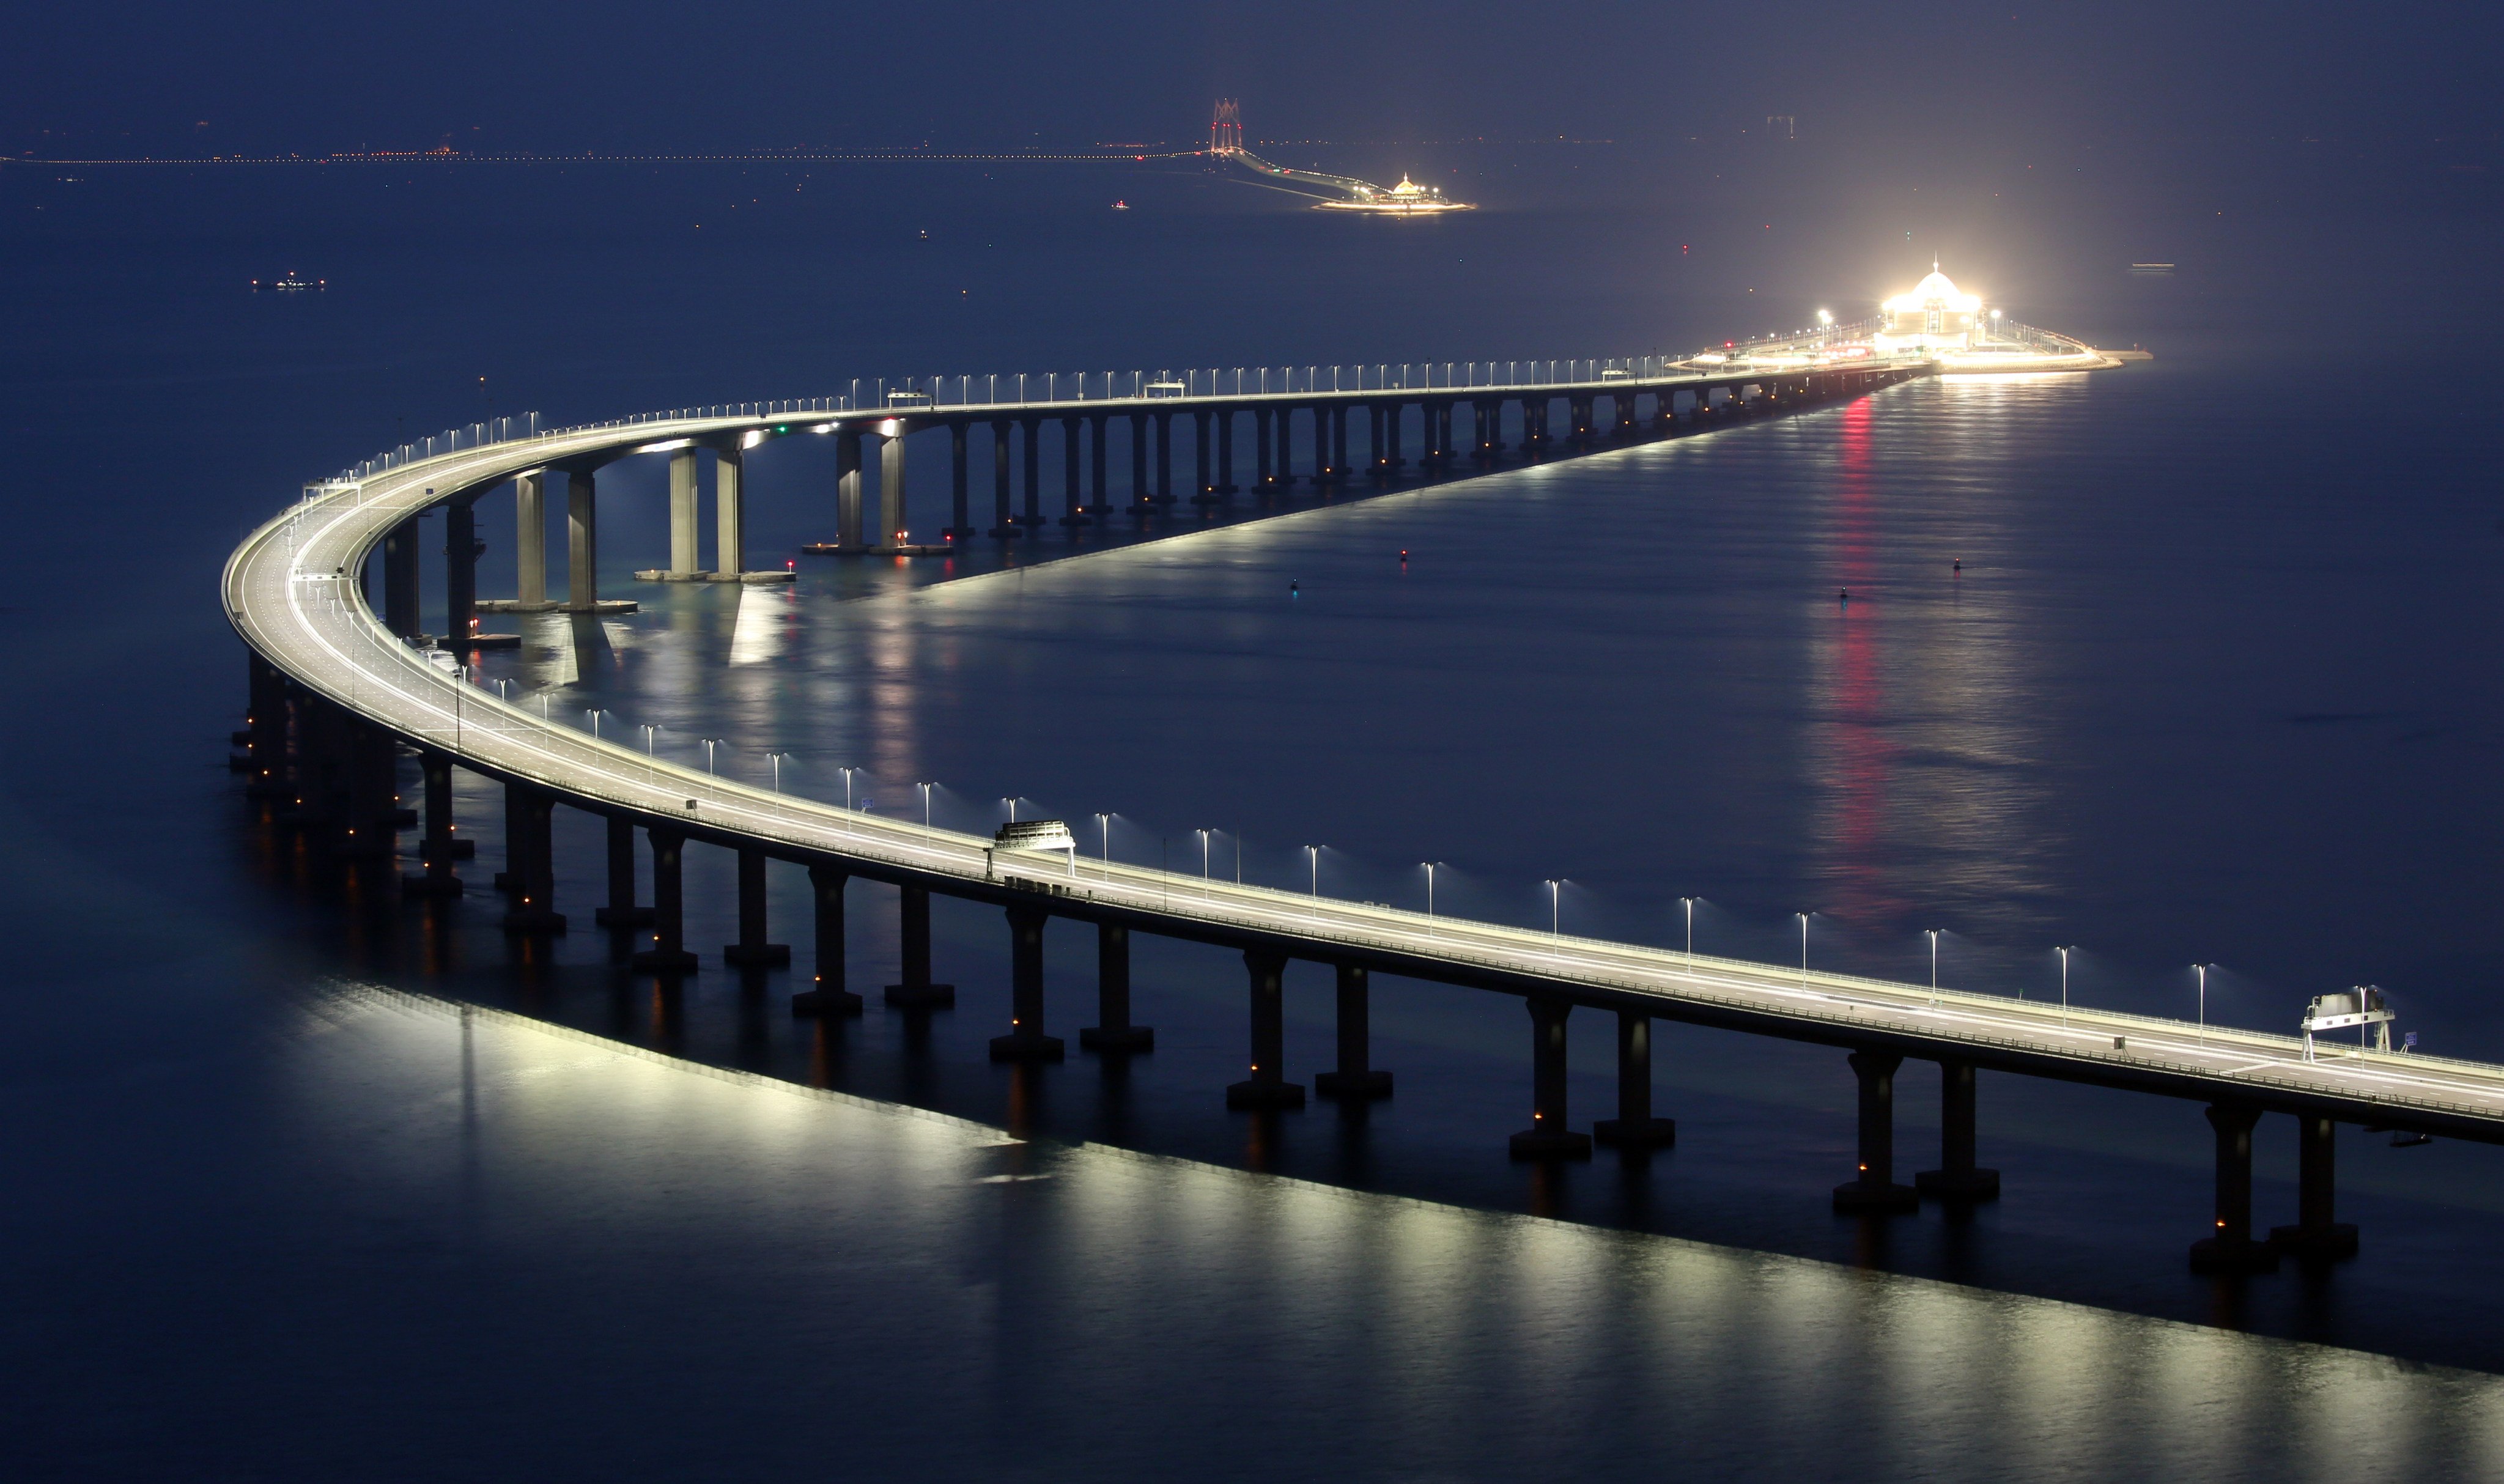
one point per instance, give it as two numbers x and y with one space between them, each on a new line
308 1184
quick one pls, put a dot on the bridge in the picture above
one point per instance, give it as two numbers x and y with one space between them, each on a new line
338 690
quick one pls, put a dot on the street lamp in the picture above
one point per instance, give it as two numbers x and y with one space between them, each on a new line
925 812
848 783
1690 904
2064 987
1430 885
1803 922
775 758
1203 861
1104 843
1555 919
709 744
1933 935
1313 854
2202 969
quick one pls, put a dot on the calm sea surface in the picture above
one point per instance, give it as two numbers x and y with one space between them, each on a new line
2194 661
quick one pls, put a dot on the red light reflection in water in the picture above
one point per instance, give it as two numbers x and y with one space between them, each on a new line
1860 752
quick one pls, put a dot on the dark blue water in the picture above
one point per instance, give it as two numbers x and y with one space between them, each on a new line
307 1183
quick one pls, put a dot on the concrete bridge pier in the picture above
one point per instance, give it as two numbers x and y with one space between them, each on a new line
960 523
1585 420
1003 520
1634 1126
848 489
1225 452
1876 1190
370 781
1141 503
1074 497
917 993
401 579
1165 459
460 574
1338 464
751 951
264 734
685 560
668 956
1263 478
1205 492
1622 404
828 995
1032 520
1098 486
891 522
1113 1030
621 911
1286 421
2317 1235
1957 1178
531 849
529 543
729 513
1548 1137
2230 1248
1268 1085
1378 468
1025 1040
435 844
1355 1079
581 543
1534 427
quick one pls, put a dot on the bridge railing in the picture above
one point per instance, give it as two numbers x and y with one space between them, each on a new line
1028 389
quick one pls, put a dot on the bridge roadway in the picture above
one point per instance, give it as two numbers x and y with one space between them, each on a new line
290 590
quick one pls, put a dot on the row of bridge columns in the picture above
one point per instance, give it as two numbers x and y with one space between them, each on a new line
1085 501
324 770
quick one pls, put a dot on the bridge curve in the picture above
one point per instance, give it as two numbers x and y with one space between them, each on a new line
291 590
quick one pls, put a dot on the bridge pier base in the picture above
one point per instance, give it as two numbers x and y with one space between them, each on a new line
2231 1248
668 956
828 997
961 521
1634 1126
1876 1189
1225 452
1548 1137
1032 520
1072 497
1202 464
1268 1085
1003 520
917 992
1957 1178
751 951
531 861
1025 1040
1355 1079
435 846
1113 1030
621 911
2317 1235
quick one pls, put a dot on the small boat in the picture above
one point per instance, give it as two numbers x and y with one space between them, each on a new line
291 284
1121 206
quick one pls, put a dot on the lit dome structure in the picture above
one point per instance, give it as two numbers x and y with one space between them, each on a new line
1935 316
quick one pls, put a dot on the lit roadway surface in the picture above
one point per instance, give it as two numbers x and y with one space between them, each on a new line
285 594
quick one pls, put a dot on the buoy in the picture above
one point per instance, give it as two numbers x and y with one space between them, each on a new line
1291 585
1845 595
1956 566
1403 556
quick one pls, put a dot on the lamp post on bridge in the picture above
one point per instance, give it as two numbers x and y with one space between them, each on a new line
1933 935
1803 922
2202 970
1555 917
1690 904
1430 865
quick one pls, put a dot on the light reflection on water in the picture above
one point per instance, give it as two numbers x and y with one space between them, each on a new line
1103 1312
